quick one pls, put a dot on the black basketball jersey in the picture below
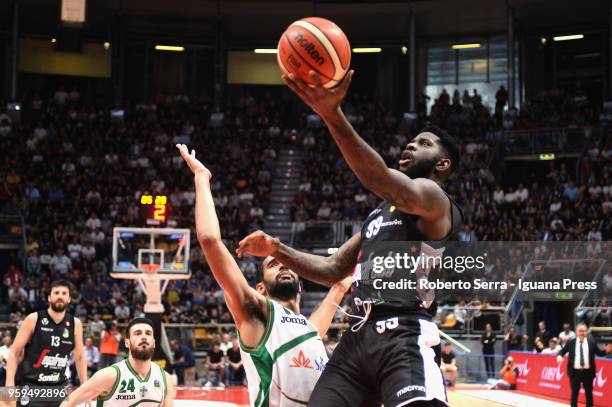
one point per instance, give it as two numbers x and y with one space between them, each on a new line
386 229
47 354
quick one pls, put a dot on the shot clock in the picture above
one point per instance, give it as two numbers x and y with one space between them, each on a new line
154 209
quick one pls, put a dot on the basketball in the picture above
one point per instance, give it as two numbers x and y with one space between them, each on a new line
315 44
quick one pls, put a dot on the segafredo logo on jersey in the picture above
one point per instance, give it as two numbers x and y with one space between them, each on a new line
293 320
52 362
310 49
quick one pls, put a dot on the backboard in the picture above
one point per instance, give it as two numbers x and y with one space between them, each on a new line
164 247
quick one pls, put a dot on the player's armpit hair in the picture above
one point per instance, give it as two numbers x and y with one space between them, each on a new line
253 309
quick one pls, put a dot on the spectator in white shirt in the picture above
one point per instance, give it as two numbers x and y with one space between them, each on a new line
92 356
89 252
522 193
361 196
60 262
553 347
93 222
18 293
324 211
566 335
74 251
97 236
226 343
5 349
594 234
498 195
122 311
510 196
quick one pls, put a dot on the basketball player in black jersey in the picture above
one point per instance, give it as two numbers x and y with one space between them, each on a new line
43 344
387 356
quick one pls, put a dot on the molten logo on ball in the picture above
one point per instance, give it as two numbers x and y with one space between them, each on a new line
310 49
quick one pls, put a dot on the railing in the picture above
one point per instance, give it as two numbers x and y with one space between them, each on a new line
198 336
471 367
547 141
322 234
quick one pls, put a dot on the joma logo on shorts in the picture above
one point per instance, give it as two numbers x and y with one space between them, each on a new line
408 389
293 320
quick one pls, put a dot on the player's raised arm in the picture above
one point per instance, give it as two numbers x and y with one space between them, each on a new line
100 384
324 314
241 299
320 269
421 197
17 349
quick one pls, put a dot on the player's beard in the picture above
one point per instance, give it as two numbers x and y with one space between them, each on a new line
283 290
421 168
142 354
57 307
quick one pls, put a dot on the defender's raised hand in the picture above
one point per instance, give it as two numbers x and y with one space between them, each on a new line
258 244
194 164
320 99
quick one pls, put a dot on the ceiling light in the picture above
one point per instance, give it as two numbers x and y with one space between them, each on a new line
366 50
465 46
569 37
169 48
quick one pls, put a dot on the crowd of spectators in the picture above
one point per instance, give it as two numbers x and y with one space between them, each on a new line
74 171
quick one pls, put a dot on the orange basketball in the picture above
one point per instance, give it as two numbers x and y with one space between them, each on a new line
315 44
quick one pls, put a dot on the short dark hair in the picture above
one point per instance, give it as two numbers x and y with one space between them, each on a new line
136 321
61 283
449 144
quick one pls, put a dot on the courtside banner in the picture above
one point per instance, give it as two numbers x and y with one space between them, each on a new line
540 374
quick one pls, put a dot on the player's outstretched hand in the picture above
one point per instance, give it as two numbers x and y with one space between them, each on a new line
194 164
258 244
320 99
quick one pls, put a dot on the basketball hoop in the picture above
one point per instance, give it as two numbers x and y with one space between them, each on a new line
150 268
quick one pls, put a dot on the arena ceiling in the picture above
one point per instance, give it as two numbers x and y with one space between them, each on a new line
251 21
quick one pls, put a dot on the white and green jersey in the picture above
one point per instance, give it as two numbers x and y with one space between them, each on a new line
130 390
283 368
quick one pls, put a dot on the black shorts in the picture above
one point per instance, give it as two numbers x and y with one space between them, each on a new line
389 360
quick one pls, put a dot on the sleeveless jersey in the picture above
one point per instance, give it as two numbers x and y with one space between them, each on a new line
385 229
130 389
48 352
284 367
